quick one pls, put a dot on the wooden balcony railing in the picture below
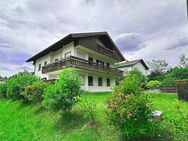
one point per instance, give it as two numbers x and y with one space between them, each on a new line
76 62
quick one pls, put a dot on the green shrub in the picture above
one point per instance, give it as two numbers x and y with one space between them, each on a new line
63 94
129 113
170 77
153 84
133 83
17 83
3 89
34 92
129 109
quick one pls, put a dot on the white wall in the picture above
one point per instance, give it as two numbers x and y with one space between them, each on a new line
139 66
60 54
50 58
84 85
84 55
41 61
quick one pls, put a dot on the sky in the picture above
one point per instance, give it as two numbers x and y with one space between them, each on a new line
142 29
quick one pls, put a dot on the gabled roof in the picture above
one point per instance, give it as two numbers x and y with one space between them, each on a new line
69 38
132 63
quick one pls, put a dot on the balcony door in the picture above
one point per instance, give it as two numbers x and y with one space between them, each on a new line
90 59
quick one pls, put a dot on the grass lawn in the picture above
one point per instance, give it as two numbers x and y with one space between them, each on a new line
31 122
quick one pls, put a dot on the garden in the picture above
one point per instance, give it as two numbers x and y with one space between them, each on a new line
31 109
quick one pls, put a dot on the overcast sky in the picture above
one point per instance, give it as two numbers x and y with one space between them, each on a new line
147 29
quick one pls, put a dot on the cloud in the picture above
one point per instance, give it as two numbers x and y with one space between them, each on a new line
179 42
141 28
129 42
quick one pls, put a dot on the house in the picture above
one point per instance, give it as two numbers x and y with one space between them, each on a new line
127 66
2 80
93 54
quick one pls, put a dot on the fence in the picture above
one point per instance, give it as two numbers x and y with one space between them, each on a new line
168 89
182 89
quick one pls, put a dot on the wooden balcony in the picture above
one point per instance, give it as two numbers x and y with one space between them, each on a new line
76 62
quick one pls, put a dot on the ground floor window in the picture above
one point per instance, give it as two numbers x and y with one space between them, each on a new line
99 81
108 82
90 80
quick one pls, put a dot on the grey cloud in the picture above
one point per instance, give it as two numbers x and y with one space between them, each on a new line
179 42
129 42
32 25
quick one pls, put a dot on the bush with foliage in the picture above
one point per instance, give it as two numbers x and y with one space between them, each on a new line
175 74
129 109
64 93
17 83
3 89
129 113
133 83
34 92
153 84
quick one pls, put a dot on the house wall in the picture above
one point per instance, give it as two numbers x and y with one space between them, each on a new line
139 66
84 53
50 58
84 80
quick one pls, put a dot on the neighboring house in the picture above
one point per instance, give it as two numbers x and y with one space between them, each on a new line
93 54
2 80
127 66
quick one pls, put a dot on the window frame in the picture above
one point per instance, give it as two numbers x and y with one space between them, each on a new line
100 81
65 55
90 83
108 82
39 67
45 63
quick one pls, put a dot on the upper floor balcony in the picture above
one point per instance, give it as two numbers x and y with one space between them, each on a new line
76 62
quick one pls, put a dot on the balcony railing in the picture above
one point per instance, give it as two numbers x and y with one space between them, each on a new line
76 62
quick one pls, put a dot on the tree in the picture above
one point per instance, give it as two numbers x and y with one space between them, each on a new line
129 108
183 61
64 93
158 67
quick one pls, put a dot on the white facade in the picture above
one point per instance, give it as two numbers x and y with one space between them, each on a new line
84 53
138 66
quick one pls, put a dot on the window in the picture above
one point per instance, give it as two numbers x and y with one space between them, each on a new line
68 54
45 63
56 60
99 62
99 81
108 82
39 67
90 80
90 59
107 64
